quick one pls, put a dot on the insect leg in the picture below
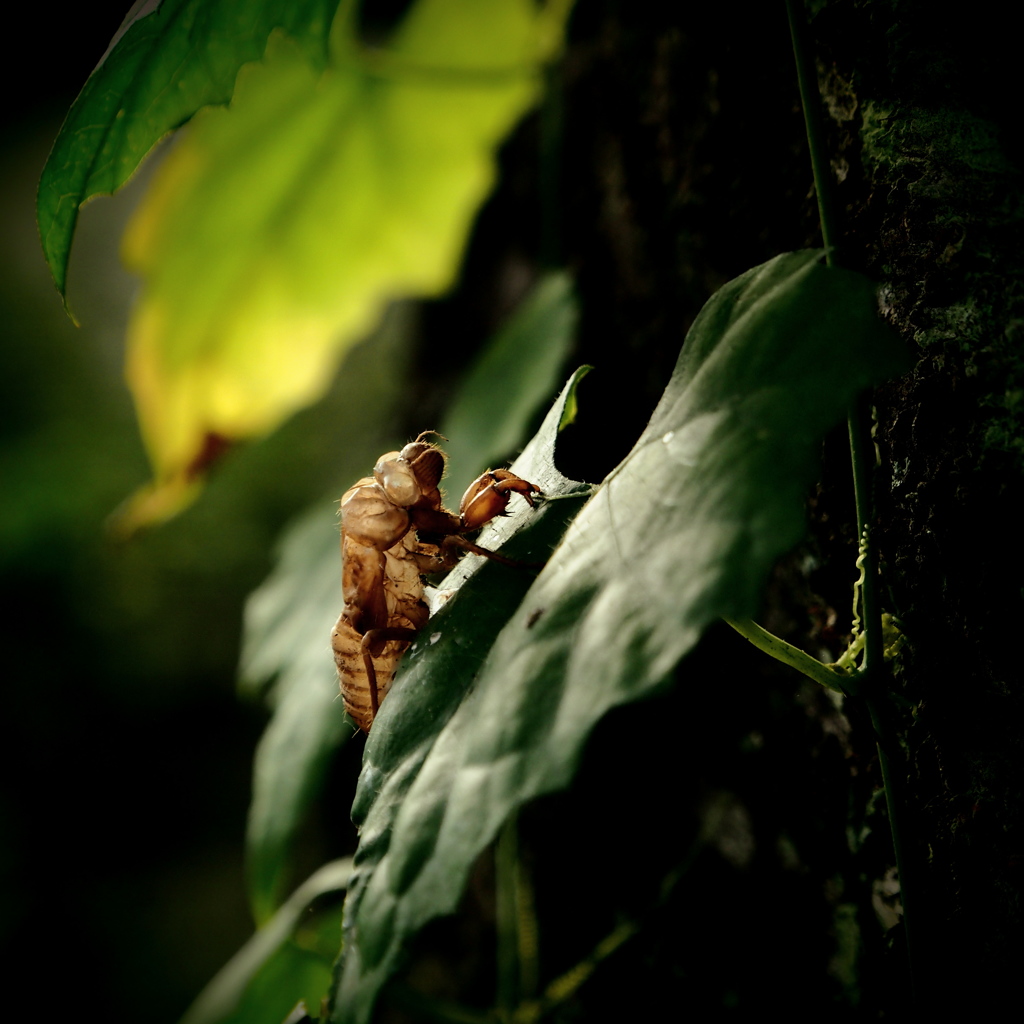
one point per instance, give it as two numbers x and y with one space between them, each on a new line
373 644
456 540
488 496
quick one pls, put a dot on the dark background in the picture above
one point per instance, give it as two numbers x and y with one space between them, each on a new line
683 163
126 753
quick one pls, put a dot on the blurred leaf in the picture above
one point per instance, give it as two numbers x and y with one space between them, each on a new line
287 635
517 372
277 229
288 959
166 61
288 619
683 532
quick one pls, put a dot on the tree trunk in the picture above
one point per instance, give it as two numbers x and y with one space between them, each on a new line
685 163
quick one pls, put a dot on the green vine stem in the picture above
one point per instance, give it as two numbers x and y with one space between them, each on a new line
872 675
809 100
772 645
506 858
516 922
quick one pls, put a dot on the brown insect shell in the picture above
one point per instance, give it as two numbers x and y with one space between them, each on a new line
410 477
371 524
369 517
427 461
363 586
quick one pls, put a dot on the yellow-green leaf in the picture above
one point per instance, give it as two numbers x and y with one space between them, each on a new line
279 227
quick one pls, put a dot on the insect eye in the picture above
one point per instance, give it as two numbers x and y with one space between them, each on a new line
399 481
427 463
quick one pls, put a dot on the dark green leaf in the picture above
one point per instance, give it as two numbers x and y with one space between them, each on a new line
683 532
160 69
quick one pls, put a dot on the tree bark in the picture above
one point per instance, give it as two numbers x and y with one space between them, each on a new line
685 163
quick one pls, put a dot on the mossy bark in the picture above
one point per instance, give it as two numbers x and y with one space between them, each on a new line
687 160
934 208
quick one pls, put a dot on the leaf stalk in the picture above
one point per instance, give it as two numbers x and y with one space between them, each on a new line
829 677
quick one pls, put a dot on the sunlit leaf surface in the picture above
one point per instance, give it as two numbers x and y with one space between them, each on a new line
279 227
511 382
683 532
168 60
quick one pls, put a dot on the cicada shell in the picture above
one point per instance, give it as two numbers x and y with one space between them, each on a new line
390 523
402 588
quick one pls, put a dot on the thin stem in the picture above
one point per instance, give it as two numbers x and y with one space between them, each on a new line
792 656
811 103
506 857
527 933
862 454
566 985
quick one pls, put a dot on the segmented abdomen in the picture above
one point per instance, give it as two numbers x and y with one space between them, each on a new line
355 687
403 591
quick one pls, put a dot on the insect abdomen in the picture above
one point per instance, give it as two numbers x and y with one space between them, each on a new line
355 687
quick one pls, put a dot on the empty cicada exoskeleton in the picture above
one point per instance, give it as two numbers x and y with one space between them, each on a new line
394 529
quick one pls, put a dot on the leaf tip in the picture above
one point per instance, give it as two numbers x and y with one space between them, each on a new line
571 406
150 506
69 312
